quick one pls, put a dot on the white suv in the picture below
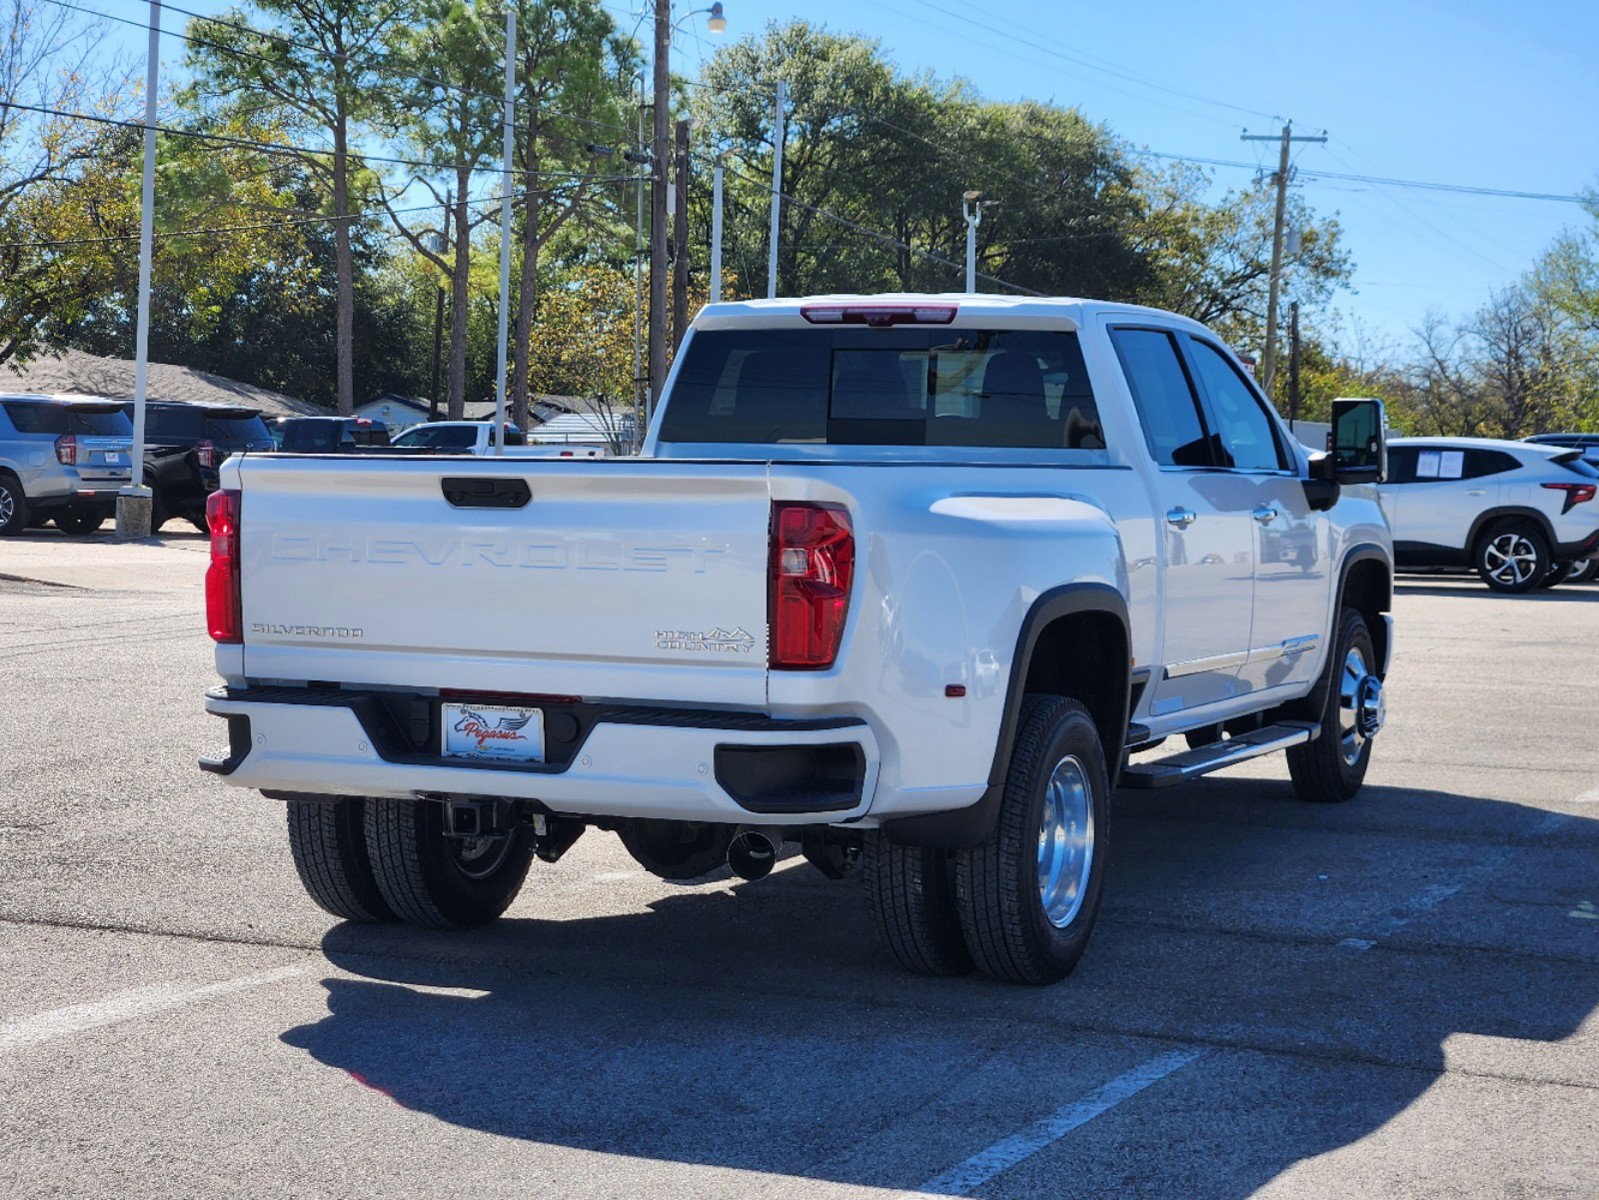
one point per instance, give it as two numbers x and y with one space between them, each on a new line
1522 514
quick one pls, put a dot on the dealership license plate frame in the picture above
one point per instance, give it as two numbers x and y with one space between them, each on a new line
501 733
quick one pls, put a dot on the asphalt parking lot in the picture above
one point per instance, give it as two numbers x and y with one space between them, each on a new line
1394 997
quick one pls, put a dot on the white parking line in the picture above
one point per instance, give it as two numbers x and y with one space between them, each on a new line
977 1170
125 1006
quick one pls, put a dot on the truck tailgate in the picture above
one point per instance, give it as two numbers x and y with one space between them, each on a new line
621 579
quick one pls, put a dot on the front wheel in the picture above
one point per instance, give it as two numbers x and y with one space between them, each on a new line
1028 898
1349 703
444 882
1512 557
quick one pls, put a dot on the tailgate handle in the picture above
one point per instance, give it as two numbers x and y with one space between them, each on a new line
475 491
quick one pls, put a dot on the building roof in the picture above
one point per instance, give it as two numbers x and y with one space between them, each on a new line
585 428
76 372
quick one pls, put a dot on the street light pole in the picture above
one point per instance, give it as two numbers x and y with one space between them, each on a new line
779 135
134 501
497 442
659 156
716 231
972 210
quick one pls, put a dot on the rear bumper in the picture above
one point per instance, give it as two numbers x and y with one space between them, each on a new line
1576 551
630 762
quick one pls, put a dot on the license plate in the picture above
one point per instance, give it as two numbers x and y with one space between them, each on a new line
114 459
498 732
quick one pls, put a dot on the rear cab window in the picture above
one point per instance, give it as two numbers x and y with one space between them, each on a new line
31 416
955 385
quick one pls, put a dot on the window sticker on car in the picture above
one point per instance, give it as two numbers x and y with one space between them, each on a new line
1451 464
1427 464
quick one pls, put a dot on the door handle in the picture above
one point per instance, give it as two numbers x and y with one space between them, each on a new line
1265 514
1180 517
1476 491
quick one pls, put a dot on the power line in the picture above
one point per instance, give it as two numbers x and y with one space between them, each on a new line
296 151
1032 37
1375 180
291 223
377 65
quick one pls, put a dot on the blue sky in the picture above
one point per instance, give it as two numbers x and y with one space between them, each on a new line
1466 92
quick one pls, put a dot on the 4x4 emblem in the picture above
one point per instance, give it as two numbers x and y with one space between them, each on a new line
717 641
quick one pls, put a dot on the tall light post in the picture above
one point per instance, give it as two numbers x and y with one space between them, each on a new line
972 205
134 501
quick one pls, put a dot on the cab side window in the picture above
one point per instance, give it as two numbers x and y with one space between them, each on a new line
1246 431
1165 399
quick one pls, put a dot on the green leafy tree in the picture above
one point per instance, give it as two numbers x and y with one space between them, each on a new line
310 67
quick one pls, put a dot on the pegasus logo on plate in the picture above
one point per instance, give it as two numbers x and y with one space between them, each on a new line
506 729
717 641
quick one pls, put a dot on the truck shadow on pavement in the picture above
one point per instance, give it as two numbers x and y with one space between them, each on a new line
1320 959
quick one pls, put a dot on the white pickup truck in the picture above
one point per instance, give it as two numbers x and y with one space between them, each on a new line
903 580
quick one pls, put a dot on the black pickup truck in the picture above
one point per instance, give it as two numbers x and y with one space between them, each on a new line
184 445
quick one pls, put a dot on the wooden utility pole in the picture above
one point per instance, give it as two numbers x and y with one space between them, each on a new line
1268 360
680 238
659 152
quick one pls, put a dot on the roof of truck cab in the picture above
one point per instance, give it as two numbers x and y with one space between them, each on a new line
1072 309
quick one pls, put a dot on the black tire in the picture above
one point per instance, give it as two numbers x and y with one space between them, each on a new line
432 880
77 522
1585 572
911 894
197 519
1512 556
997 889
1331 769
14 514
1560 573
328 840
159 515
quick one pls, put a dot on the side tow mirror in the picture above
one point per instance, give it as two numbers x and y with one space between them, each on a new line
1359 449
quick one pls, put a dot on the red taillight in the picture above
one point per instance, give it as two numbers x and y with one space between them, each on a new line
206 452
222 607
1576 493
878 315
67 450
813 562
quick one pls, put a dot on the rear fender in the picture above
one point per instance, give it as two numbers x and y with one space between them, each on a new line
1096 670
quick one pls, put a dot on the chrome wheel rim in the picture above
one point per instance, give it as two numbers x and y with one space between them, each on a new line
1510 559
8 506
1065 842
1362 708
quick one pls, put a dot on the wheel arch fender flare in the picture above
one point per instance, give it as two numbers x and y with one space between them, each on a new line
1372 593
1508 512
1104 663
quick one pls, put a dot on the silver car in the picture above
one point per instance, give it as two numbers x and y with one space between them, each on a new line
61 457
